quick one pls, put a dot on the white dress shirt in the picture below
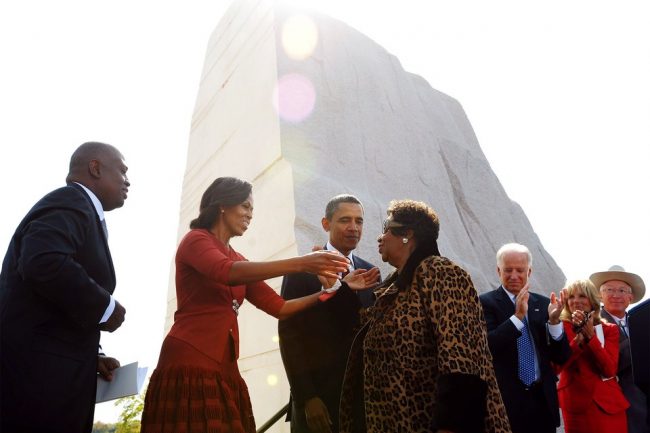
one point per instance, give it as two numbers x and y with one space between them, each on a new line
100 213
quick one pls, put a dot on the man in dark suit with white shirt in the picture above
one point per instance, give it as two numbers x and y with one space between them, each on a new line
314 344
56 290
618 289
525 335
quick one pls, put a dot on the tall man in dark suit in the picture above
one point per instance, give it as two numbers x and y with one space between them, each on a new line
315 343
56 290
617 290
639 323
525 335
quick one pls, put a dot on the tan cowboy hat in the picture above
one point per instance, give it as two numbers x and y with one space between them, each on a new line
618 273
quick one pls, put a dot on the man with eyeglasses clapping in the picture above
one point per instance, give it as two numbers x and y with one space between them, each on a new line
618 289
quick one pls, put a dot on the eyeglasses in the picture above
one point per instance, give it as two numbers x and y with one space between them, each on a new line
390 224
619 292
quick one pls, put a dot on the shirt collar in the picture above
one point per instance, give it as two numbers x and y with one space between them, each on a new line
511 295
330 247
95 200
618 321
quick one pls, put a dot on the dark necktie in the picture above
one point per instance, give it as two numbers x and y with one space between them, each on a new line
526 356
347 271
621 324
105 228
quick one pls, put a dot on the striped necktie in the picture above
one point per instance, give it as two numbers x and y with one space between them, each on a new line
621 323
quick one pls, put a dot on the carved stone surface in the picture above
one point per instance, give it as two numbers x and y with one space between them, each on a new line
345 119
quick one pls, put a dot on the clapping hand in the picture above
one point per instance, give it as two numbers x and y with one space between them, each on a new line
521 303
555 307
583 324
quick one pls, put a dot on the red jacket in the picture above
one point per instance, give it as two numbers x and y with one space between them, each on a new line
584 376
205 317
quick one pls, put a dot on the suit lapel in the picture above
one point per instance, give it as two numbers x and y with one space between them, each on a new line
505 304
536 317
624 356
535 313
356 262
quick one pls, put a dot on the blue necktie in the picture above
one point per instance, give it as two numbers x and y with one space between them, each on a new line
526 356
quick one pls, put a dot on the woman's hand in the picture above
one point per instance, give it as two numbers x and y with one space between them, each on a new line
360 279
327 264
588 329
579 339
326 282
578 318
583 324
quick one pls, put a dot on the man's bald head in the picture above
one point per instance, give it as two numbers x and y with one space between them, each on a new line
91 150
100 168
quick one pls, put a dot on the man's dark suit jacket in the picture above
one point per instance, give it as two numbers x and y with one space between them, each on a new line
55 286
639 323
314 345
502 339
637 416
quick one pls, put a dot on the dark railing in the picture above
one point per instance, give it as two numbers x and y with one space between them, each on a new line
267 425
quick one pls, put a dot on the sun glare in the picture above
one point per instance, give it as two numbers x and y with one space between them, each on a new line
299 36
272 380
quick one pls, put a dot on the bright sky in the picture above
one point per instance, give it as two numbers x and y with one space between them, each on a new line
558 94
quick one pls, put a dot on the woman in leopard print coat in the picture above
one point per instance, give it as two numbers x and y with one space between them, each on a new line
420 362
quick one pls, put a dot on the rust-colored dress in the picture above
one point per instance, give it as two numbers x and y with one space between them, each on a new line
196 387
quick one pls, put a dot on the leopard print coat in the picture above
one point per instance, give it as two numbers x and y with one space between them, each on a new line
421 358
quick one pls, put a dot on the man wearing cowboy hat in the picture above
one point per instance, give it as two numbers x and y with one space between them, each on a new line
618 289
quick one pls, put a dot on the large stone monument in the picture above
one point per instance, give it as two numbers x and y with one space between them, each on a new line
305 107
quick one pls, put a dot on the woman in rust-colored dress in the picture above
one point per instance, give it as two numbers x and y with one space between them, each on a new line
196 386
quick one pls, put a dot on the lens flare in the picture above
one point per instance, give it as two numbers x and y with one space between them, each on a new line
299 36
272 380
294 97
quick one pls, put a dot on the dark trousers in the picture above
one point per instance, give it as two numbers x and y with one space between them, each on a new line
534 416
